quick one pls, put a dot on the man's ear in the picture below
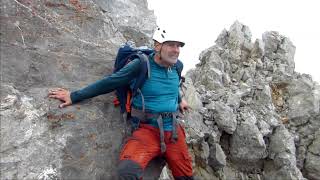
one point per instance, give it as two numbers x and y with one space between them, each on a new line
157 46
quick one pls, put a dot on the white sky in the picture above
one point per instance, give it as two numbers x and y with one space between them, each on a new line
200 22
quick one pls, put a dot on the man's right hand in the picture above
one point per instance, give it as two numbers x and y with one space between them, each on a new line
61 94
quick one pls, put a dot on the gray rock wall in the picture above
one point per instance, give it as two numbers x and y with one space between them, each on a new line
46 44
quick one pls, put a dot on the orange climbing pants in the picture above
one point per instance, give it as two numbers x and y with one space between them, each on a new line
144 145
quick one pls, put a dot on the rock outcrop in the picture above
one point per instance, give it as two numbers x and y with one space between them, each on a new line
259 119
253 116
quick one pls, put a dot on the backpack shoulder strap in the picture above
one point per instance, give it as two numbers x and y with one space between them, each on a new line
144 71
179 66
144 62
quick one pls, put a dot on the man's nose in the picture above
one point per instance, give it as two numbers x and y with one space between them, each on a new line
176 48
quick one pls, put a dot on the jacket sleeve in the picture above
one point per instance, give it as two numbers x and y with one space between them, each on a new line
108 83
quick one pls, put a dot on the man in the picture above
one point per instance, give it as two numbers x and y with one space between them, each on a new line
160 99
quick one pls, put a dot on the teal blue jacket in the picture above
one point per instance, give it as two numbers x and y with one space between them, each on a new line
160 91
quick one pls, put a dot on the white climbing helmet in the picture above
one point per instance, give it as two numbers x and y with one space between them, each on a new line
161 36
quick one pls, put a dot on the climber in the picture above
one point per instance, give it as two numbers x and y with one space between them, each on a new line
161 100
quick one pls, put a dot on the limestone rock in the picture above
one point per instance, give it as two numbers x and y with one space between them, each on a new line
217 158
46 44
263 114
247 144
224 117
303 100
312 165
282 151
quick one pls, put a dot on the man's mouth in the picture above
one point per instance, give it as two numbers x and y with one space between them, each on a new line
174 56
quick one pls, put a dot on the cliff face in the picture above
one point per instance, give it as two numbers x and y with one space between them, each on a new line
253 116
46 44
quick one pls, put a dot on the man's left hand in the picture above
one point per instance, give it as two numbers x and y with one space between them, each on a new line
183 106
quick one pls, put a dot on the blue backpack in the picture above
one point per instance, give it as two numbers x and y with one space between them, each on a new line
125 94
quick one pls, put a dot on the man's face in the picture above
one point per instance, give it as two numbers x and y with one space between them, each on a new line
169 52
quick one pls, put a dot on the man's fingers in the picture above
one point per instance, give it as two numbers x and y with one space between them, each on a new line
53 96
58 96
62 95
187 108
52 90
182 110
63 105
56 90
